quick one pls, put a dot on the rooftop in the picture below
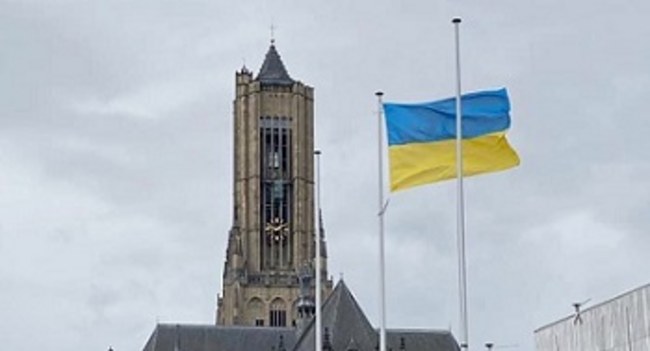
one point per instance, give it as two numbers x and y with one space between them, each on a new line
273 71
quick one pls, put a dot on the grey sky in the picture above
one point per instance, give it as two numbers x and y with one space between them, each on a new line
115 165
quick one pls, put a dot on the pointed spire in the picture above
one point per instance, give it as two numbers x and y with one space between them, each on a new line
273 71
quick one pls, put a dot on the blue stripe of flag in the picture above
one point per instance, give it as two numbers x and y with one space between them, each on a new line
484 112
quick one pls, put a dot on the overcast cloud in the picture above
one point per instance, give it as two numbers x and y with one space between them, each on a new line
116 167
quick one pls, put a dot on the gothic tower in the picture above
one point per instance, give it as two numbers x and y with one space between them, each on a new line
271 242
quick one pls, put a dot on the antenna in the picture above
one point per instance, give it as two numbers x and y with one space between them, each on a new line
576 306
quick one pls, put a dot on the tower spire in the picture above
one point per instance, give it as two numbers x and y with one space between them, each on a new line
273 71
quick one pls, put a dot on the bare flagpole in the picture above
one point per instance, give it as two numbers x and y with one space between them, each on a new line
460 211
380 214
317 256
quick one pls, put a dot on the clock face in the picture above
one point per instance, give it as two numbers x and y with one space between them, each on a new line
276 231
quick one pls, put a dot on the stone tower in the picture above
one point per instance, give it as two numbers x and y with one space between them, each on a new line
271 242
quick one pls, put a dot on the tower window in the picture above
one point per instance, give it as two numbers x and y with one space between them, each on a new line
278 318
256 309
278 314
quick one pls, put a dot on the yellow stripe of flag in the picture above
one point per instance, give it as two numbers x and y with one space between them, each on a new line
422 163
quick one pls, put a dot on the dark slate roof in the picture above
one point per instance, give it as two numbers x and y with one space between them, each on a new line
436 340
184 337
344 320
348 327
273 71
346 324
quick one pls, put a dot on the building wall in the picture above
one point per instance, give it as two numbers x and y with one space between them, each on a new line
620 324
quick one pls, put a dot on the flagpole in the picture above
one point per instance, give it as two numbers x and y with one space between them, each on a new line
318 334
460 211
380 214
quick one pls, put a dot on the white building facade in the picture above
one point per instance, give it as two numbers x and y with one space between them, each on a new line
620 324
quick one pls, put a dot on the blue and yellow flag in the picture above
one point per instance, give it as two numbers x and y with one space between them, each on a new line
422 138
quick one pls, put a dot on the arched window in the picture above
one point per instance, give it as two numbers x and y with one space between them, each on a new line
278 313
256 310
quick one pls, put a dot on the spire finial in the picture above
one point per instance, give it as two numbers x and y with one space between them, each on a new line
244 69
273 71
272 33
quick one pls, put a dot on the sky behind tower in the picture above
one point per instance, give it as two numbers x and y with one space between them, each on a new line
116 165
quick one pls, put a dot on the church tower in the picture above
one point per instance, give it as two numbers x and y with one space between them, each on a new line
271 242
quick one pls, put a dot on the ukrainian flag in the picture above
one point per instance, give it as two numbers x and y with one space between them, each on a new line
422 138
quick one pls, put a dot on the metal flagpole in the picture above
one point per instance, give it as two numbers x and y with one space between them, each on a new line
460 211
318 333
382 210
